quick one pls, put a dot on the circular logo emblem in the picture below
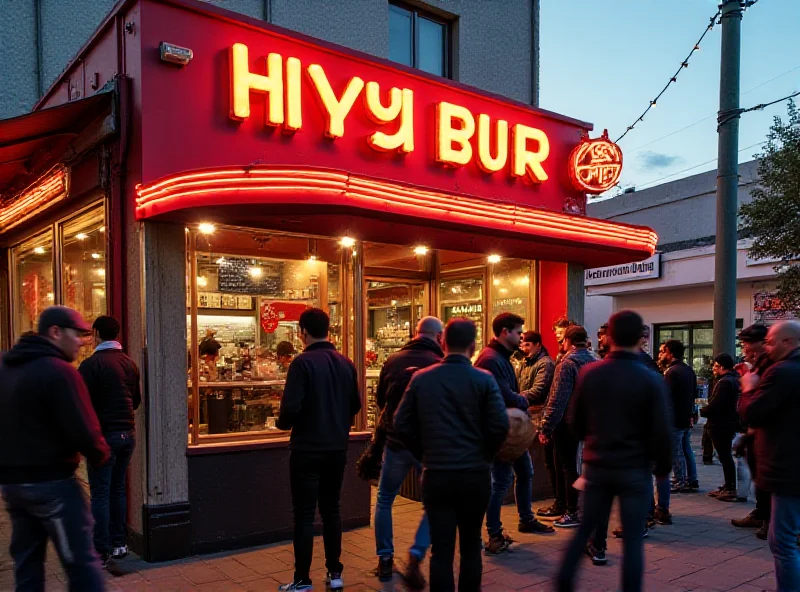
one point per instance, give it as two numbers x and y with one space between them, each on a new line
595 165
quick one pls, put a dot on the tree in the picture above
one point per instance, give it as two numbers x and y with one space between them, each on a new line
772 219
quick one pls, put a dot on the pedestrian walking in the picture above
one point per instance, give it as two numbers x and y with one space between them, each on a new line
723 421
422 351
320 399
682 387
457 415
554 426
495 358
603 345
770 405
46 422
112 379
620 412
757 361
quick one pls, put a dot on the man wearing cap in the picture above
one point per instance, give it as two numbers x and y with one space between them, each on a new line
756 362
46 423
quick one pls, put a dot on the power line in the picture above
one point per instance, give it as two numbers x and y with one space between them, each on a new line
726 117
674 78
771 80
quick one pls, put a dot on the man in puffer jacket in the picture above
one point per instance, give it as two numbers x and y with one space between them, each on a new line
554 427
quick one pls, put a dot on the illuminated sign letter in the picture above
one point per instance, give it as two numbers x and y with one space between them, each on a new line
294 82
526 160
337 109
401 104
243 81
488 163
446 134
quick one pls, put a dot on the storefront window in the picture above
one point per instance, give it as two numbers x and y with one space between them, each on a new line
251 290
34 289
463 297
84 266
510 289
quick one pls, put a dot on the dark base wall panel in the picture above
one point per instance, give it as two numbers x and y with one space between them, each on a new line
242 498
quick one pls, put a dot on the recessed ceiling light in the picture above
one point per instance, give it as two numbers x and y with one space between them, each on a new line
494 258
347 241
39 250
81 236
96 256
420 250
206 228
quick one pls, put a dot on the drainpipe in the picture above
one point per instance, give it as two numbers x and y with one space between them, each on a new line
37 38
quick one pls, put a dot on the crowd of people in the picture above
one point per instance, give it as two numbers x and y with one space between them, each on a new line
614 424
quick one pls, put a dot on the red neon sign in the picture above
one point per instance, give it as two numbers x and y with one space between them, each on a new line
595 165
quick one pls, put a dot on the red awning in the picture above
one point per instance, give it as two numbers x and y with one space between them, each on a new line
34 139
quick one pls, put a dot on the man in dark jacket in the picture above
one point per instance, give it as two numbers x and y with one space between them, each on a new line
682 387
320 399
757 361
422 351
535 374
770 405
495 359
458 416
723 422
554 427
620 412
113 382
46 422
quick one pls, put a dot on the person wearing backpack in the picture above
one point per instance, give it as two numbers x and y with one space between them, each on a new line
422 351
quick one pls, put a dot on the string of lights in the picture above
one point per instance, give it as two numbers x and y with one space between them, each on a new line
674 78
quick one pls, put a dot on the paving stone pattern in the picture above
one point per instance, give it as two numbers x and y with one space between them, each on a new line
701 551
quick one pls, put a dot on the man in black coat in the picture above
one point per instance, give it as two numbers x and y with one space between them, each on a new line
771 405
458 416
113 382
619 410
320 399
682 387
723 422
46 422
422 351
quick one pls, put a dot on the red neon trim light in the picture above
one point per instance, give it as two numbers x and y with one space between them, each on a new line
264 184
49 188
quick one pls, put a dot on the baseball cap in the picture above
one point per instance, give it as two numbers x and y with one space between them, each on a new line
753 333
64 317
285 348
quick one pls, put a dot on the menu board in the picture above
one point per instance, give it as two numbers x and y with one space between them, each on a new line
236 276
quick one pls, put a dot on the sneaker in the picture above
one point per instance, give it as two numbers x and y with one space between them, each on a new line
333 581
498 544
295 585
730 496
568 521
617 532
598 556
412 575
718 492
691 487
749 521
385 568
535 527
763 532
120 552
551 512
663 517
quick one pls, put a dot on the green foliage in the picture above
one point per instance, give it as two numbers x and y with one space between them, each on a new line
772 219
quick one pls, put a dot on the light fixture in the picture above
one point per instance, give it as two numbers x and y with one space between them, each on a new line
495 282
102 229
255 272
420 250
504 290
494 259
220 261
202 281
312 258
101 272
96 256
394 302
39 250
206 228
81 236
347 241
50 296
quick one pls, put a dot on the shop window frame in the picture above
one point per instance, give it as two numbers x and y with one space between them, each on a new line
417 13
690 327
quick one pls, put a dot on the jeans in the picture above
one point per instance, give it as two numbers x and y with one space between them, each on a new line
784 528
502 476
396 465
456 500
566 457
763 498
707 444
316 477
722 437
550 464
634 489
663 492
55 510
683 463
109 496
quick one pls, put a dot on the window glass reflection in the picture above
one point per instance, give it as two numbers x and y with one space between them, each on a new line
33 281
430 48
400 36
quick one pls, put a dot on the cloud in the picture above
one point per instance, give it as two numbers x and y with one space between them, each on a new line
658 160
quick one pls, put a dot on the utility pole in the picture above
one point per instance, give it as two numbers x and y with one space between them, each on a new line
727 180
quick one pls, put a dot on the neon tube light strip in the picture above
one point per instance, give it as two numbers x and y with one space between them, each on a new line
46 190
265 184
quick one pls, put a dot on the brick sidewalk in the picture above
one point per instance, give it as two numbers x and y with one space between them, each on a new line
702 551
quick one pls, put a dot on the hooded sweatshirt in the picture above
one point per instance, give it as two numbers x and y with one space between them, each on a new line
46 415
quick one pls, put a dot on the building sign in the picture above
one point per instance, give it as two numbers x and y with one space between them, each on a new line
595 165
649 269
271 313
465 310
768 308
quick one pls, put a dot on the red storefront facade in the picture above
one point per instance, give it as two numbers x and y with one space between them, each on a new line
229 173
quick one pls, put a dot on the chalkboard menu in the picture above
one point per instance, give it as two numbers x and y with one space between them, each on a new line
236 277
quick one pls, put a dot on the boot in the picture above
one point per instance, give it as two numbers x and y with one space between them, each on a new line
385 568
413 574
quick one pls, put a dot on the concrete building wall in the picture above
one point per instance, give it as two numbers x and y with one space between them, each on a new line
495 44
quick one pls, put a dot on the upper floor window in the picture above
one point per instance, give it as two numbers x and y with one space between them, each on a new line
419 39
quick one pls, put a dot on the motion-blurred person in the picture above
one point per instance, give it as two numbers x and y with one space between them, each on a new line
46 422
620 412
603 346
